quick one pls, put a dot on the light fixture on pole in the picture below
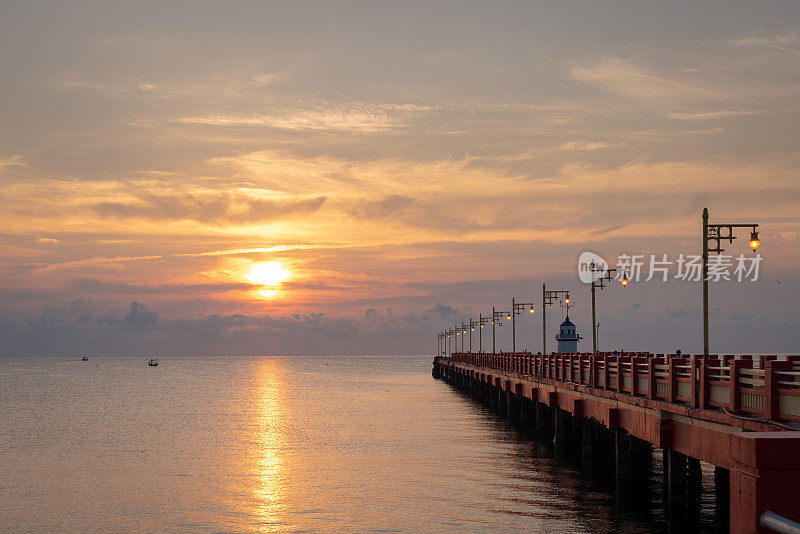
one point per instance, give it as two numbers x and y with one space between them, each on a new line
548 297
472 325
516 309
718 233
600 275
481 321
496 316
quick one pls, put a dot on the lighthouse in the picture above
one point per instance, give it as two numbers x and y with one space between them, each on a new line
567 337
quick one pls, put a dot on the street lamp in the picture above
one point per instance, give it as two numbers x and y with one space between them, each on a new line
599 281
472 325
481 321
548 297
448 333
497 315
716 232
517 308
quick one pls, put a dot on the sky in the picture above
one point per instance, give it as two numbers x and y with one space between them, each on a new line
182 178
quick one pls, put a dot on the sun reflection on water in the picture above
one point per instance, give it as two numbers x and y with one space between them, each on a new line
268 442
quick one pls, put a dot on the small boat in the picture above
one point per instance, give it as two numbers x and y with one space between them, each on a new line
85 359
152 362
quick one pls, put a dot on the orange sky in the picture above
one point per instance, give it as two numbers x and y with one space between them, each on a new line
275 160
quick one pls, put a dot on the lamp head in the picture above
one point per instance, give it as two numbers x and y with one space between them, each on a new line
754 241
624 280
508 317
566 300
531 309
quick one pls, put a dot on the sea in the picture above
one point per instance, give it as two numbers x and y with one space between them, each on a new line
290 444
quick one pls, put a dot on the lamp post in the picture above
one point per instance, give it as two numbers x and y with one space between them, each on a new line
517 308
605 275
715 232
548 297
495 316
463 331
481 321
472 325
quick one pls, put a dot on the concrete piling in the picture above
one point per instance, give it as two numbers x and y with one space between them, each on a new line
676 467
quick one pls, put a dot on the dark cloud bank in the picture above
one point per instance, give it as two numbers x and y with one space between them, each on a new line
80 328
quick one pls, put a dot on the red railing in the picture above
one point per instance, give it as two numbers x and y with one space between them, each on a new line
770 390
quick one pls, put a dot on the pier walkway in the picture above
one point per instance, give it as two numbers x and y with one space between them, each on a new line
741 415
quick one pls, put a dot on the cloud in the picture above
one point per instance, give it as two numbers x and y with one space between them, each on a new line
584 146
263 79
47 240
444 311
384 208
778 42
209 208
679 313
719 114
80 328
140 318
357 118
12 161
95 286
628 78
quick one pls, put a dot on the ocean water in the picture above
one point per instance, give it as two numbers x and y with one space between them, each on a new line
282 444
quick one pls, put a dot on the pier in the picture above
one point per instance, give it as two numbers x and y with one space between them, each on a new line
741 415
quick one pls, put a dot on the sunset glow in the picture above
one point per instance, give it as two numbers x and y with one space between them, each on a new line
270 275
259 174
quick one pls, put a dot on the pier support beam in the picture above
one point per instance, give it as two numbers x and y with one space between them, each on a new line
695 478
527 417
675 466
604 451
562 431
511 408
587 444
766 468
722 491
576 439
493 398
544 422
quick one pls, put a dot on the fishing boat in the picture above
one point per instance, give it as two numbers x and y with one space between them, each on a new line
152 362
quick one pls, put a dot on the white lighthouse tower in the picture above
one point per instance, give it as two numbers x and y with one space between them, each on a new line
567 337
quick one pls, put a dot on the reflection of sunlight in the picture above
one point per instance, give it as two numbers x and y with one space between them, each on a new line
268 442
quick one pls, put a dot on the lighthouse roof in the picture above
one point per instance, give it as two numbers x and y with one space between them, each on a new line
567 322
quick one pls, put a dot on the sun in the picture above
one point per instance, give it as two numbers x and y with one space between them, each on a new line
270 275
